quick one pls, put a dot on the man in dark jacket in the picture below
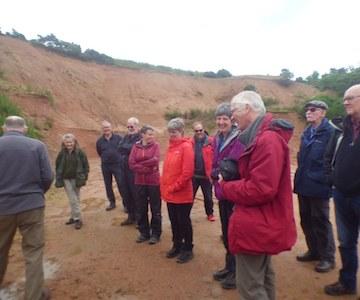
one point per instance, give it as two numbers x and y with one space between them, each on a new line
128 190
202 145
107 149
346 181
313 190
25 175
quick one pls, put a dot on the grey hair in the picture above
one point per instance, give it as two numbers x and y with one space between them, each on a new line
223 109
14 123
176 124
68 136
105 123
251 98
133 120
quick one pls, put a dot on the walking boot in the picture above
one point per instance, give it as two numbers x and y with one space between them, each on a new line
229 282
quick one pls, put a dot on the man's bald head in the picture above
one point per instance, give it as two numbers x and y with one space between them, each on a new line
15 123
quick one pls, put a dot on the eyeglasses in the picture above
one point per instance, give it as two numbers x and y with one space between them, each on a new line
199 130
130 126
350 98
311 109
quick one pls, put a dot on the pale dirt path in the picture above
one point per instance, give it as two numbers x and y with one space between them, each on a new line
102 260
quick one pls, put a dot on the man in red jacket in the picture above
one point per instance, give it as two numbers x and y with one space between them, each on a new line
262 223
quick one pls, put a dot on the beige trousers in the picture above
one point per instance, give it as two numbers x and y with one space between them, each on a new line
31 227
255 277
73 194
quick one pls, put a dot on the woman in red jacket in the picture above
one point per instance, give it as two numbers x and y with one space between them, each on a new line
144 162
177 191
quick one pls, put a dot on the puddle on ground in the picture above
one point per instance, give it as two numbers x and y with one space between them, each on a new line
16 290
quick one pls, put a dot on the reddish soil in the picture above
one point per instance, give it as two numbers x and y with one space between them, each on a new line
102 260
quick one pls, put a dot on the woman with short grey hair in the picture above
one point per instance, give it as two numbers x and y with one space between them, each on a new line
176 124
177 191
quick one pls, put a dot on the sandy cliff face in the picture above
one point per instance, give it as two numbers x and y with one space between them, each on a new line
85 93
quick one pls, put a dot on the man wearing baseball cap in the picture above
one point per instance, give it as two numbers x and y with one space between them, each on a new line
313 190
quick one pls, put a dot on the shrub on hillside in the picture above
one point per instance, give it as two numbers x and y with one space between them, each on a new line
250 87
8 108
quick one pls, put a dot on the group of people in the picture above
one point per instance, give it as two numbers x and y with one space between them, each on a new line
255 201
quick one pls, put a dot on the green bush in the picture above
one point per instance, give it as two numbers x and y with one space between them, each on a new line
8 108
270 101
250 87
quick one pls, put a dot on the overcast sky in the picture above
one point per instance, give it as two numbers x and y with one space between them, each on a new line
244 37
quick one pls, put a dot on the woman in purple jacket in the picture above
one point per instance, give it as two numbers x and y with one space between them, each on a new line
226 145
144 162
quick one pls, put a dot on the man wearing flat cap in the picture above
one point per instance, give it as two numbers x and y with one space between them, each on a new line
312 189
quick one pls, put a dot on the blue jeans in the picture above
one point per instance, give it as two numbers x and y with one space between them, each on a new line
347 211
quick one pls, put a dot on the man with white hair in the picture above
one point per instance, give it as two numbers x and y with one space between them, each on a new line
262 223
25 176
346 180
128 190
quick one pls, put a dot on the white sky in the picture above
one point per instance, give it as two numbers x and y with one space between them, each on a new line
244 37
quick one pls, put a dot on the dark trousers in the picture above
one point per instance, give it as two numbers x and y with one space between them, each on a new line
109 170
315 223
128 190
206 189
145 195
347 212
181 227
226 209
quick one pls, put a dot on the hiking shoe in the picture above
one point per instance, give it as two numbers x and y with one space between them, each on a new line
338 289
211 218
70 221
221 274
229 282
127 222
142 238
324 266
110 207
184 257
307 256
173 252
154 240
78 224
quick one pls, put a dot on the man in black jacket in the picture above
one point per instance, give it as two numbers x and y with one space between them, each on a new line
346 181
128 191
107 149
25 176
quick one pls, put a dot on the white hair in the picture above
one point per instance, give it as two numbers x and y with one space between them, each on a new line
133 120
252 99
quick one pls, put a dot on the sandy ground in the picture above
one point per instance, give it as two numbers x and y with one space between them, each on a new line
102 260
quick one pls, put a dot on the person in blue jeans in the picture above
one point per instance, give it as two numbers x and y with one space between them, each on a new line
343 155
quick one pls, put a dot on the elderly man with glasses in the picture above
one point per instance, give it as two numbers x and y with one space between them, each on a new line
127 188
344 153
262 223
312 189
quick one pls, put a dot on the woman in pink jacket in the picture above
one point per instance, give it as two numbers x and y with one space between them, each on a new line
177 191
144 162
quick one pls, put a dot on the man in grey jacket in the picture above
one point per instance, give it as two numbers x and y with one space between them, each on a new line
25 175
